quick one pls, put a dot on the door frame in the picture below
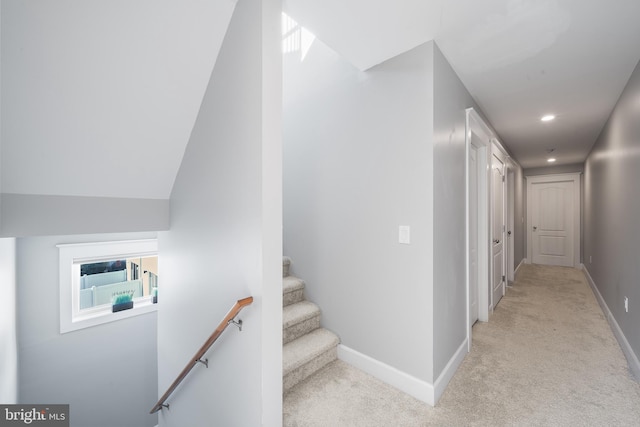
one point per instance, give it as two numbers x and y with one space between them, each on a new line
563 177
480 135
510 219
499 152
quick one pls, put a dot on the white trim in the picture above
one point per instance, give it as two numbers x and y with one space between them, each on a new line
421 390
411 385
69 254
632 358
510 217
475 125
500 154
563 177
522 262
449 371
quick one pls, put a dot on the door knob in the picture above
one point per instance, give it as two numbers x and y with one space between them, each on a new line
496 241
509 232
535 228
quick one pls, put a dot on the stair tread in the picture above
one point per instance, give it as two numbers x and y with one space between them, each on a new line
306 348
291 283
299 312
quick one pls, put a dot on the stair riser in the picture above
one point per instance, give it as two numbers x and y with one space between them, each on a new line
292 297
309 368
299 329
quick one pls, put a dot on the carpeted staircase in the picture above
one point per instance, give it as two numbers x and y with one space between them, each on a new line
307 346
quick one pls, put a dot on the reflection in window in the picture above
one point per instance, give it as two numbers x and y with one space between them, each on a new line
100 282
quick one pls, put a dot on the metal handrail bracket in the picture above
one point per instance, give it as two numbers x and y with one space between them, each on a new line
197 358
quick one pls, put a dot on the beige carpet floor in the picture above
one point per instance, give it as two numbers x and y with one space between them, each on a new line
546 358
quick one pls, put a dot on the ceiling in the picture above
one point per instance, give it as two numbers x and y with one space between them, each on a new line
99 97
519 59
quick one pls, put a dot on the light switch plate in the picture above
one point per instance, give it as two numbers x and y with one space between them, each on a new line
404 235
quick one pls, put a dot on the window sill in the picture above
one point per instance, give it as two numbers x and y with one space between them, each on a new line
103 314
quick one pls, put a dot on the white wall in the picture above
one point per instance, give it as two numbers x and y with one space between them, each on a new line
358 163
612 209
23 215
8 324
107 373
99 97
225 240
451 99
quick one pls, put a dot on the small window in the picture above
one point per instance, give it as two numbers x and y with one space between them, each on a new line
103 282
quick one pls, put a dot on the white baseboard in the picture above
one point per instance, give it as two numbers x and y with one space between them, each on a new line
523 261
411 385
632 358
449 371
421 390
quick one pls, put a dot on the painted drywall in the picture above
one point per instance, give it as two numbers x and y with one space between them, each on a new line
99 98
107 373
38 215
225 240
612 209
358 163
552 170
451 99
8 324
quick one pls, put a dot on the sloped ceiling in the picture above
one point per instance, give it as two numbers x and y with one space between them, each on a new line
520 59
99 97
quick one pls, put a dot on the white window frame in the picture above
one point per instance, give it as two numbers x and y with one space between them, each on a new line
71 256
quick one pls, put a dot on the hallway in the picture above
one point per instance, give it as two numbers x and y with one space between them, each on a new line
547 357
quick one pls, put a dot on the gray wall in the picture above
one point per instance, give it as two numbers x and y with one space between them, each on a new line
8 343
451 99
358 163
612 209
24 215
225 240
107 373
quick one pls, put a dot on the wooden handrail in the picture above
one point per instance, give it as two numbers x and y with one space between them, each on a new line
197 358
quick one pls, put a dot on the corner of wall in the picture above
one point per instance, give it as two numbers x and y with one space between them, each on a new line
421 390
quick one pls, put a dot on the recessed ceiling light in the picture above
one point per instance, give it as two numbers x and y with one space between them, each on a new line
548 118
551 160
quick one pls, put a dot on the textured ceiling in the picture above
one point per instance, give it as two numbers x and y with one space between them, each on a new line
520 59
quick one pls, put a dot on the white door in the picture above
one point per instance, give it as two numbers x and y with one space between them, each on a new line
510 245
552 222
473 235
497 230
